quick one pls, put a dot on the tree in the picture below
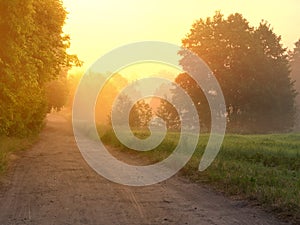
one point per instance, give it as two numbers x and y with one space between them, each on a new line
57 92
140 115
295 76
120 108
169 114
199 100
32 52
252 68
107 96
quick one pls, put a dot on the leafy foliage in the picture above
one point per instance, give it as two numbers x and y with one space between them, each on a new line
198 98
140 114
32 52
252 68
57 93
295 75
169 114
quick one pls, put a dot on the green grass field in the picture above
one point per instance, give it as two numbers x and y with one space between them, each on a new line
12 145
263 168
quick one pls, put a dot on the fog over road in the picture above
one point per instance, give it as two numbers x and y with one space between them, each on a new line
51 184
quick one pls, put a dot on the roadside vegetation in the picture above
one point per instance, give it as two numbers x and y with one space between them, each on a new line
263 168
10 146
33 63
33 70
260 158
253 70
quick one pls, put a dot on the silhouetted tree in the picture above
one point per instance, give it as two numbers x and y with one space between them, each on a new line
199 100
252 68
57 92
169 114
295 75
140 115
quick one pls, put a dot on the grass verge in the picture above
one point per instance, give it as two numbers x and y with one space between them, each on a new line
264 168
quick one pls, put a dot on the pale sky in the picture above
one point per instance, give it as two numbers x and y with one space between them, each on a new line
98 26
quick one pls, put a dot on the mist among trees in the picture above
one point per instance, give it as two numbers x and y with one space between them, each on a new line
253 70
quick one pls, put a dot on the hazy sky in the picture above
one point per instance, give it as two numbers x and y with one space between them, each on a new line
97 26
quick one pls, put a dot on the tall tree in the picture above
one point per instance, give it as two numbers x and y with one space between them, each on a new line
169 114
32 52
120 106
252 68
57 92
199 100
140 115
295 76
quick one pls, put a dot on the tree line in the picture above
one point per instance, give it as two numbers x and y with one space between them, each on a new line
250 63
295 75
256 73
32 54
253 69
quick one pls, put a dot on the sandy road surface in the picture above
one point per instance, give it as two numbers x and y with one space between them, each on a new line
52 184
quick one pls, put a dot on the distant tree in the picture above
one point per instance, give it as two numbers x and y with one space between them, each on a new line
73 79
169 114
140 115
107 96
57 92
198 98
120 106
295 76
252 68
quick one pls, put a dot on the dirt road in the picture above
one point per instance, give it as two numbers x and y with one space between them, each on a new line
52 184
